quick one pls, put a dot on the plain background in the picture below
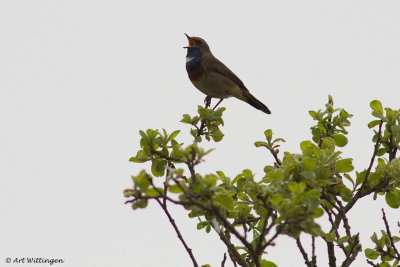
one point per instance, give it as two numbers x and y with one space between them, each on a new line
79 79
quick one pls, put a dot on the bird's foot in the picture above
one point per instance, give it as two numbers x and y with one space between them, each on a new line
207 101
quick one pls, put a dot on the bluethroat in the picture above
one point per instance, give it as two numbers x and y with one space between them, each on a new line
213 78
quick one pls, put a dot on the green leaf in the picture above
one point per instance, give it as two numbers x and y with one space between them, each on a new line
318 212
265 263
340 140
392 200
308 174
328 144
344 165
174 189
330 237
152 192
186 118
307 148
203 111
346 194
373 123
158 167
268 135
313 114
137 160
225 200
201 225
360 177
217 135
309 163
276 199
376 105
381 151
173 135
381 162
371 254
210 179
293 187
221 176
275 175
330 99
279 140
329 108
142 180
342 240
348 177
259 143
374 238
378 115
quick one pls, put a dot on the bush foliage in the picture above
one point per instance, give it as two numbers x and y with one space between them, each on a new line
250 213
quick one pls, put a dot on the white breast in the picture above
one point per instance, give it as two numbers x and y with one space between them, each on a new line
188 59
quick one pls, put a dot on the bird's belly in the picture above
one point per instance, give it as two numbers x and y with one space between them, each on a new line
218 86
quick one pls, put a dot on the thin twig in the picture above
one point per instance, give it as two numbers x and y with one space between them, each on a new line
353 252
232 259
346 224
392 149
232 250
233 253
223 260
360 192
172 221
214 210
372 264
377 144
390 235
158 153
314 257
275 155
262 233
303 252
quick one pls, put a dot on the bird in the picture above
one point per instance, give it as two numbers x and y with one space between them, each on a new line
213 78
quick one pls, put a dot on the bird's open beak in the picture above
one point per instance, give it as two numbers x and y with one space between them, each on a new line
192 43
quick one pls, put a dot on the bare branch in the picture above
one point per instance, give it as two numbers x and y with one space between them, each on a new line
303 252
390 235
172 221
314 256
372 264
353 252
233 253
331 254
359 193
223 260
232 259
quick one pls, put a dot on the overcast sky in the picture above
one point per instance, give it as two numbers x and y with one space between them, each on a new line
79 79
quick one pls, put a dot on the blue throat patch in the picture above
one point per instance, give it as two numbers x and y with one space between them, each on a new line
193 58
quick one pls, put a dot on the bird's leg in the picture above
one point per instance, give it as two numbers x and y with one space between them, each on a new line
220 100
207 101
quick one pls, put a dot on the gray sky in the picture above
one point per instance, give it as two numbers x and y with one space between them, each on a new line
79 79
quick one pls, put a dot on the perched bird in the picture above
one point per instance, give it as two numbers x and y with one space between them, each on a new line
213 78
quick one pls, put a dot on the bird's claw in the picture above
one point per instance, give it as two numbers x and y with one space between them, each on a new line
207 101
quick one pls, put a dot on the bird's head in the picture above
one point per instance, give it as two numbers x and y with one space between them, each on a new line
197 42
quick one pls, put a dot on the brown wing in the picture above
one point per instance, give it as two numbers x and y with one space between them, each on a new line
213 64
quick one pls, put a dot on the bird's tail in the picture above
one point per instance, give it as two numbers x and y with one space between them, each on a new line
255 102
